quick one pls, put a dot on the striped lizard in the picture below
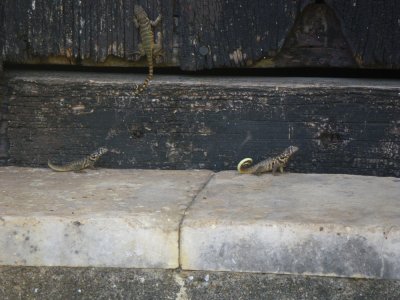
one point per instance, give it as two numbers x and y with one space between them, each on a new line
79 165
147 46
270 164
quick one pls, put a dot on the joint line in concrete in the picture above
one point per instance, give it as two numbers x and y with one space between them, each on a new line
184 215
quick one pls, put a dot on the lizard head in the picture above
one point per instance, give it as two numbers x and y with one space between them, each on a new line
290 150
98 153
137 10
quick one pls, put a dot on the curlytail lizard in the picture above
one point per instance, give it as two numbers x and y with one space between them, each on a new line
270 164
147 46
86 162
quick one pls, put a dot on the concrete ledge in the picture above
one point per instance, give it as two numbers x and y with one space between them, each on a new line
334 225
114 218
331 225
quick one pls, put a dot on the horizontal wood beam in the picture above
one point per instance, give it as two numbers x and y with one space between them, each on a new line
180 122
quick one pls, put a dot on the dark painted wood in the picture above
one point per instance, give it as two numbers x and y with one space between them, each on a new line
341 125
233 33
205 34
372 28
78 31
3 118
316 40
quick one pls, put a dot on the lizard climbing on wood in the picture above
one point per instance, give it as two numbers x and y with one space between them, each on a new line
147 46
79 165
271 164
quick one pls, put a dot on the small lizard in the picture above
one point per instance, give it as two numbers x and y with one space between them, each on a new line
147 46
270 164
86 162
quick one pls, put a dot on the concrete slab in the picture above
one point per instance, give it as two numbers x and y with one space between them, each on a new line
114 218
334 225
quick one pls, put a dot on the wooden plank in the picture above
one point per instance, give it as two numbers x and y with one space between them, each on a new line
372 29
341 125
234 33
3 119
205 34
78 32
316 40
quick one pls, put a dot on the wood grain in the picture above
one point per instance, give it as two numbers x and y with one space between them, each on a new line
341 125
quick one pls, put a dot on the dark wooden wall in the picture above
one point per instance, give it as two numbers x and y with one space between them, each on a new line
3 120
372 29
194 122
73 31
206 34
341 126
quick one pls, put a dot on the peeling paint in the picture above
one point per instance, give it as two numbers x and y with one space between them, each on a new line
238 57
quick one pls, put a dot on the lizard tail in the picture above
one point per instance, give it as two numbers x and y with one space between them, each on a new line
56 168
140 88
244 166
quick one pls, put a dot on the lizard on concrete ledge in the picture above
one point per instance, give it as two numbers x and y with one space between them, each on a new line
147 46
86 162
270 164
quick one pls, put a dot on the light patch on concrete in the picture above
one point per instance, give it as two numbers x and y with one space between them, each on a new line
334 225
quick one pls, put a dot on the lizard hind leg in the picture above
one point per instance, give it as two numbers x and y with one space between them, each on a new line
275 168
158 51
137 55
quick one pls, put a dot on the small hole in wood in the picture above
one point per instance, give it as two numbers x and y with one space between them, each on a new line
328 138
136 131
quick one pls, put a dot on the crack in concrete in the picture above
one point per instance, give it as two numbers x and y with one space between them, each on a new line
184 215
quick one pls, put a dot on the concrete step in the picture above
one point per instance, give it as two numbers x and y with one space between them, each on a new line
330 225
109 218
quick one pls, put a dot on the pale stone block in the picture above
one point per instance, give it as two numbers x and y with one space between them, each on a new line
113 218
333 225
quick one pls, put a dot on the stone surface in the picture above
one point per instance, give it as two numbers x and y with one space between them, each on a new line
335 225
114 218
118 283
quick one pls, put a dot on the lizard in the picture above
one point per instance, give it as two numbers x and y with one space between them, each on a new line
270 164
79 165
147 46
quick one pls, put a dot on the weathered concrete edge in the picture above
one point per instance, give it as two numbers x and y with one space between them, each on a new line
125 283
74 238
317 249
75 241
269 248
385 265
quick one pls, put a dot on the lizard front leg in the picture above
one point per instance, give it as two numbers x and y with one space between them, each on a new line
156 21
137 55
